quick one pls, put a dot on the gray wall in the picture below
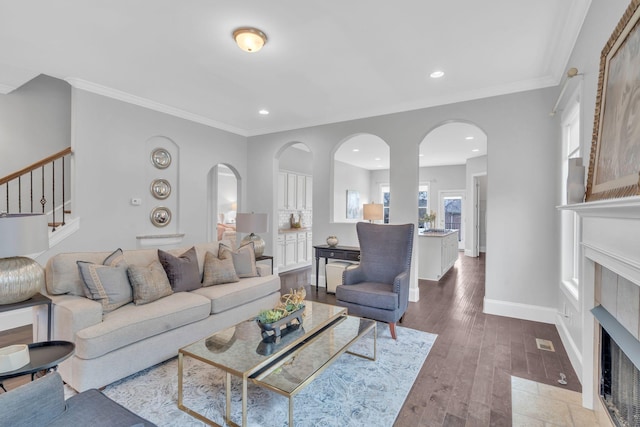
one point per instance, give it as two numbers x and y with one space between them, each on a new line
296 160
521 137
35 122
349 177
110 158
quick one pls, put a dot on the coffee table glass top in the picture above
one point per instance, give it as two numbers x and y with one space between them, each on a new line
241 350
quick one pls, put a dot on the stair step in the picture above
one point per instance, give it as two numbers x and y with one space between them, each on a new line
67 211
56 224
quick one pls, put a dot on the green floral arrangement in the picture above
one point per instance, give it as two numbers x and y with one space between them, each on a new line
430 217
288 304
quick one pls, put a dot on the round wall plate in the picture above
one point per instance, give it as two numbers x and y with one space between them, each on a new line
161 158
160 216
160 188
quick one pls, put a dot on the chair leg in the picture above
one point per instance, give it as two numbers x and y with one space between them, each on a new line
392 328
401 319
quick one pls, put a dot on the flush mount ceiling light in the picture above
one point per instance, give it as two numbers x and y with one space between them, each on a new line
468 138
263 112
249 39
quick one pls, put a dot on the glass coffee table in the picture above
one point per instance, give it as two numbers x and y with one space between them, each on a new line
285 366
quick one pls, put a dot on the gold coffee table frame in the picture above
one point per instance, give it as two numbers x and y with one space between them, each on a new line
234 351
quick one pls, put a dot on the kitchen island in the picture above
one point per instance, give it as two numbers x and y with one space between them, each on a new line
437 252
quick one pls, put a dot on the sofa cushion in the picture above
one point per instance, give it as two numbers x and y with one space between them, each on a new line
218 271
107 285
230 295
149 283
244 259
132 323
182 270
372 294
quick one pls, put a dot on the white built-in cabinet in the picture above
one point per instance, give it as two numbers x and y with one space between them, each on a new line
295 191
295 250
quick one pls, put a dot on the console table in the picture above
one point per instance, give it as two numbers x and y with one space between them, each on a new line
348 253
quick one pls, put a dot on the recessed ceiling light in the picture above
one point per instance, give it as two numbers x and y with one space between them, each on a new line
475 150
436 74
263 112
377 159
420 155
468 138
355 150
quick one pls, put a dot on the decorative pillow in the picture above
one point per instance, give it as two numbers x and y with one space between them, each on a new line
108 285
116 259
218 270
182 271
149 283
244 259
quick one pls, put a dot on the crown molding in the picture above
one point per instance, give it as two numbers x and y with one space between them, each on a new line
5 89
151 105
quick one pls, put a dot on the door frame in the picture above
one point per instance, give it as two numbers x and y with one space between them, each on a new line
462 194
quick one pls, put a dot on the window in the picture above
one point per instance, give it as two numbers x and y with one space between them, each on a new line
423 201
569 222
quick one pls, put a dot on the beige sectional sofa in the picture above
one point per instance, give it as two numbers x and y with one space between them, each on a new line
115 344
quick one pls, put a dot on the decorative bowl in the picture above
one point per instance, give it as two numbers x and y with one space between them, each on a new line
13 357
274 328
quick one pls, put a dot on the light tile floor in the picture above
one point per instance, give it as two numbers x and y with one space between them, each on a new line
540 405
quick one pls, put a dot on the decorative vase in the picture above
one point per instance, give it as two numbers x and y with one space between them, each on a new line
332 241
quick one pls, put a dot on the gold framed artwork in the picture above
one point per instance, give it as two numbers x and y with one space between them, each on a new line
614 163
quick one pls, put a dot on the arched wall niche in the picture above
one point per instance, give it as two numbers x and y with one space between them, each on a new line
224 201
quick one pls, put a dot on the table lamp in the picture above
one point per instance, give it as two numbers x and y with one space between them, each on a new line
372 211
21 234
253 223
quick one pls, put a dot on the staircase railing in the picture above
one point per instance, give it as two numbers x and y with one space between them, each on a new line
41 177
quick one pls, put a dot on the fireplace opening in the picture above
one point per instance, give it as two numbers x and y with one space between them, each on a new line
619 383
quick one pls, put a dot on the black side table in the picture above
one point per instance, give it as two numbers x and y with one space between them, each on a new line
37 299
42 356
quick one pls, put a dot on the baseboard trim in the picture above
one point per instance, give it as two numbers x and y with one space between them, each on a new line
414 294
517 310
575 356
16 318
469 252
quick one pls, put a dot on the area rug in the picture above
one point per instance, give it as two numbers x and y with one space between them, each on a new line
351 392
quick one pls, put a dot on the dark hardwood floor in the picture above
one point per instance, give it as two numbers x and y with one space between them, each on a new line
466 379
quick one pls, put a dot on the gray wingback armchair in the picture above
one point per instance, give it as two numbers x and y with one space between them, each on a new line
379 287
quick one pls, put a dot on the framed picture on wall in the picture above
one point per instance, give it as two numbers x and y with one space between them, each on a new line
614 163
353 204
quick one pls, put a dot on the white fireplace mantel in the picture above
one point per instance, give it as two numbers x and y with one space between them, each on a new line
609 235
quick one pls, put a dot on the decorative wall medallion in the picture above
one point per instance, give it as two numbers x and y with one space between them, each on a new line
160 216
160 188
161 158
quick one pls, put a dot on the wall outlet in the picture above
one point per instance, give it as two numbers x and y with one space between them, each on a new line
135 201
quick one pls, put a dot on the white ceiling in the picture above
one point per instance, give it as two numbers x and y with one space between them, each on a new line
325 61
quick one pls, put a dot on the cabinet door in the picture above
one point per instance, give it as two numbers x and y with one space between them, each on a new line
308 192
302 251
280 255
291 191
309 253
300 188
282 190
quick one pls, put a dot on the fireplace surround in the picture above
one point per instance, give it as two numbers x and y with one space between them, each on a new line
609 236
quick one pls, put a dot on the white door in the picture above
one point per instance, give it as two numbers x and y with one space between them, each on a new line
451 212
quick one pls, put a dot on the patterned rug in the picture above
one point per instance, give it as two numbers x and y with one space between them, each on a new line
351 392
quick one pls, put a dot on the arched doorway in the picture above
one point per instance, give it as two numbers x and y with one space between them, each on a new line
224 199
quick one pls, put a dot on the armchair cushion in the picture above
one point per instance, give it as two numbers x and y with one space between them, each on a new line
371 294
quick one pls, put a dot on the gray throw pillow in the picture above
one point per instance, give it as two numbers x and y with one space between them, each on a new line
149 283
182 271
218 270
244 259
116 259
108 285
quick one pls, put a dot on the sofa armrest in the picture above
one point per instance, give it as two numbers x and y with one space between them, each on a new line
72 314
33 404
263 270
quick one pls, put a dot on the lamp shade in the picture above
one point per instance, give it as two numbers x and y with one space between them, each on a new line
372 211
23 234
252 222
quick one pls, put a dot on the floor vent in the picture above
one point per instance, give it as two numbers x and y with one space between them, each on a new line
544 345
